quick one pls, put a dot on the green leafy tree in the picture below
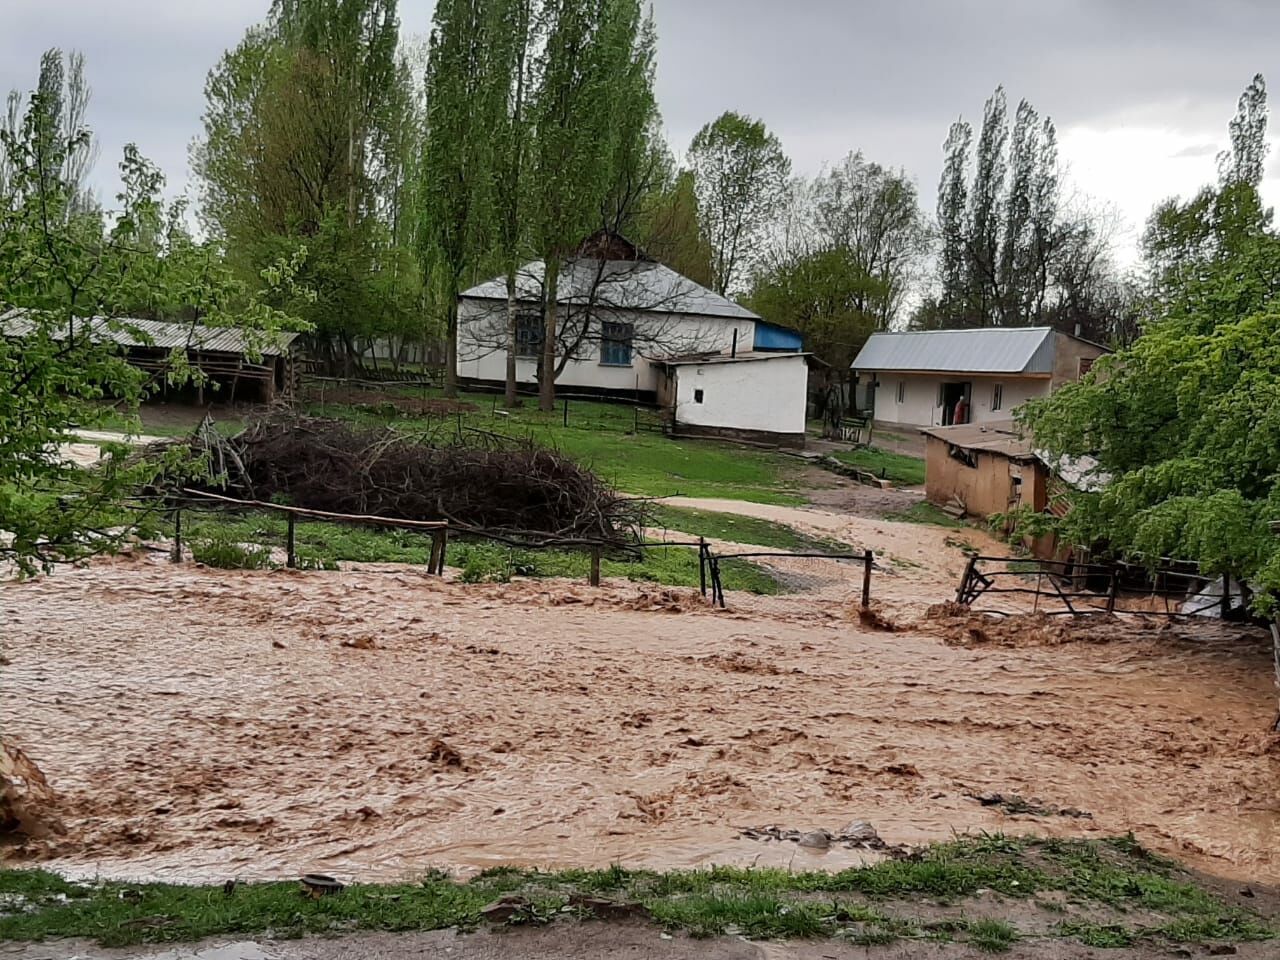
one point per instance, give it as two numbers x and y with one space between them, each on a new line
1185 422
67 272
467 88
305 152
593 116
740 175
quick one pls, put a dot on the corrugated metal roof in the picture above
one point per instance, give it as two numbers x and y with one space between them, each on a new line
620 285
1000 436
982 350
163 335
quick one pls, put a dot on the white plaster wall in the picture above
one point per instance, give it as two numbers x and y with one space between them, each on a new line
757 395
478 358
920 408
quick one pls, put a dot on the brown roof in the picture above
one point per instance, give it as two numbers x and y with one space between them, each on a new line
999 436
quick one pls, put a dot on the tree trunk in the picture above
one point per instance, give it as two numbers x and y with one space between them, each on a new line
547 372
451 352
509 399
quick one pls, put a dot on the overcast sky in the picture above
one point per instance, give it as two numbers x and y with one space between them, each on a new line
1141 90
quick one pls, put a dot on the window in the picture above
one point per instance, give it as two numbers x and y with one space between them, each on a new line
902 391
529 332
615 344
1083 366
997 396
697 396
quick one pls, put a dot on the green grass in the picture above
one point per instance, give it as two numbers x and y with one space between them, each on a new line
217 538
868 905
897 468
602 436
925 512
738 529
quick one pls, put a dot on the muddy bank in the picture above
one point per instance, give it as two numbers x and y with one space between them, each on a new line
372 723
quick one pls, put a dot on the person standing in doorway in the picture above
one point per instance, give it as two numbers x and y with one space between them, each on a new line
961 412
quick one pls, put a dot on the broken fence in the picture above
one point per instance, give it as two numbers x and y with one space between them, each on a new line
1070 588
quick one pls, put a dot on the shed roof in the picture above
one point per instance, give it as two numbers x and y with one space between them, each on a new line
981 350
641 285
1000 437
163 335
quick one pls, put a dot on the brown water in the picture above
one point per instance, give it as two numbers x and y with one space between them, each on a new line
203 724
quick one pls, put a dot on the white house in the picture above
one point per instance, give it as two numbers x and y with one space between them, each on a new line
938 377
631 328
751 396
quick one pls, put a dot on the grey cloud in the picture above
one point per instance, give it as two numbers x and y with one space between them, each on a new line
829 76
1197 150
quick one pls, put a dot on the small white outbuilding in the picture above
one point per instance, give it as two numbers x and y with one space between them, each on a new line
755 396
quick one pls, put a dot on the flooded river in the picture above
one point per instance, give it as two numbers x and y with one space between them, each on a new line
203 724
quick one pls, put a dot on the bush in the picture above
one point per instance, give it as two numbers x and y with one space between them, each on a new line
226 554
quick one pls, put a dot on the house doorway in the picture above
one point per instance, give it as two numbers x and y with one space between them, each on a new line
956 403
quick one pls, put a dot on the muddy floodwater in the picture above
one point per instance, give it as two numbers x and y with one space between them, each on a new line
373 723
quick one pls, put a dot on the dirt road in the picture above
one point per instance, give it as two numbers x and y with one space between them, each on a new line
372 723
587 941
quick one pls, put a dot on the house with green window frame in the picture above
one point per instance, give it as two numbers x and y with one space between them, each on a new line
622 319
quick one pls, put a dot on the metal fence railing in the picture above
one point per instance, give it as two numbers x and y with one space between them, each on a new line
1073 588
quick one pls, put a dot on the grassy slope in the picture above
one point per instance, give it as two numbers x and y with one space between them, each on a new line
727 526
898 468
1110 880
600 436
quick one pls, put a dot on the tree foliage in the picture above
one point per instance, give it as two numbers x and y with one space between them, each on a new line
1012 252
305 150
68 269
1185 423
740 175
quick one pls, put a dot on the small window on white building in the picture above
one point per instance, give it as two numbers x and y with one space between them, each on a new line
902 391
529 334
997 396
697 396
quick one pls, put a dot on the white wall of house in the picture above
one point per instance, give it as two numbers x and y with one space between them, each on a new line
481 358
919 394
764 395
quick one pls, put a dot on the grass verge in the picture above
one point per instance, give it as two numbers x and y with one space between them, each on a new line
897 468
219 539
1113 881
738 529
925 512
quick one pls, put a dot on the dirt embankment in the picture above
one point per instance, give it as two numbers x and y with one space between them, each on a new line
375 722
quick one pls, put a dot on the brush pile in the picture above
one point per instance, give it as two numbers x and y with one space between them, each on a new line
506 488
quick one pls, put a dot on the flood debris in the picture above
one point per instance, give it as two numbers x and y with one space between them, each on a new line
857 835
1014 804
26 799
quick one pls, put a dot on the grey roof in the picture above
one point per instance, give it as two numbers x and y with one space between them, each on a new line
162 335
619 284
997 436
981 350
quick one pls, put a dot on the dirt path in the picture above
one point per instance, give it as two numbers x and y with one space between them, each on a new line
375 722
584 941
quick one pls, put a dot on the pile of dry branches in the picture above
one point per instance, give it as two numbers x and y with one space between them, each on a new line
509 489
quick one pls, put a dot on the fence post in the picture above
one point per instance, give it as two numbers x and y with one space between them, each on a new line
1113 590
566 411
176 555
702 564
595 565
444 547
635 420
963 589
291 552
867 559
435 552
